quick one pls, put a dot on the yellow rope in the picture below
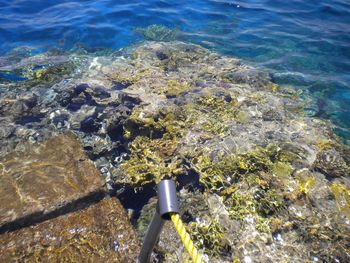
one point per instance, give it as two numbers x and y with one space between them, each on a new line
186 239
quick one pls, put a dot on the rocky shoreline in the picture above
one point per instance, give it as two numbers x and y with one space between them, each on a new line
258 180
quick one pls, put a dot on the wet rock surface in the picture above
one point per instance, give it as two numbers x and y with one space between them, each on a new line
53 208
258 179
98 233
44 178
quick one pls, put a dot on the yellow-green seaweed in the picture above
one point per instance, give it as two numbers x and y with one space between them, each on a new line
147 163
209 236
49 74
256 167
212 113
175 88
169 123
342 198
241 205
305 183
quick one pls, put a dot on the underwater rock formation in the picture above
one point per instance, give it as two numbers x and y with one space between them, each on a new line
158 33
44 178
52 208
98 233
256 155
259 180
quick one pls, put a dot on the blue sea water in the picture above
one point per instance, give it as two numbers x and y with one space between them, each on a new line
305 44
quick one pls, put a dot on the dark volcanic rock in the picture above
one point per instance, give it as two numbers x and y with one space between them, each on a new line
99 233
45 178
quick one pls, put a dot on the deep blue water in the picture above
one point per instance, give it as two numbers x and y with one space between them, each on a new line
303 43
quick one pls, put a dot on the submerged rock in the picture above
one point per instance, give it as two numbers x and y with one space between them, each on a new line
158 33
263 181
332 163
245 140
98 233
43 179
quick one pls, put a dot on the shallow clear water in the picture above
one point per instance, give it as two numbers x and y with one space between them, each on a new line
305 44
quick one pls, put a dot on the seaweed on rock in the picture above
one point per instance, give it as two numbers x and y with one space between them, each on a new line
209 237
270 183
146 163
168 123
342 197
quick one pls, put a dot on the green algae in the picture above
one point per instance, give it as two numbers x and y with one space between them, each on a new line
255 185
209 237
242 206
305 183
255 167
174 88
168 123
241 117
247 182
287 152
48 74
269 201
225 174
333 157
274 88
211 174
53 73
140 124
212 113
260 206
325 144
342 198
231 174
282 170
128 79
147 162
331 161
290 92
